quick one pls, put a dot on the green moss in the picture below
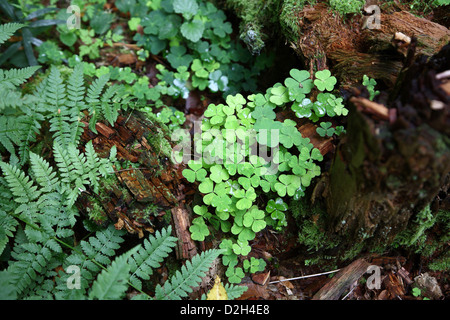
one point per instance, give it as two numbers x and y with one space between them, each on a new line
96 212
346 7
311 219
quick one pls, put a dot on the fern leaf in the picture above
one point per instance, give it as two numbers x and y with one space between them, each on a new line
30 125
15 77
7 30
109 107
54 94
30 261
9 291
96 252
7 226
20 184
153 252
93 100
111 284
12 78
234 291
76 90
43 173
63 162
181 284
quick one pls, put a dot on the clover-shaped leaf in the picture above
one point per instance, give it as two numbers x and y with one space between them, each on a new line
215 113
299 85
302 109
235 275
325 129
246 198
244 233
237 101
316 155
279 95
198 68
264 111
254 219
227 246
241 247
196 172
207 186
253 265
218 173
290 134
324 80
202 211
287 184
199 230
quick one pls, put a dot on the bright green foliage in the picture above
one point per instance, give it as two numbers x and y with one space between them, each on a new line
345 7
276 208
199 38
149 256
324 80
370 85
111 284
253 265
232 176
181 284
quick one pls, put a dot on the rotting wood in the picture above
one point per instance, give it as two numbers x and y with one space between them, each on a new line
186 246
334 289
128 196
386 171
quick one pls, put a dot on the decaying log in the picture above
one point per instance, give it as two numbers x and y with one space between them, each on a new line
351 49
388 169
137 196
342 281
186 246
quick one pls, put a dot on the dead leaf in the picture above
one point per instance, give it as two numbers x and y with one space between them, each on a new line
218 291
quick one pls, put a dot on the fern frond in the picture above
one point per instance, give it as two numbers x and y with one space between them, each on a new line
150 256
9 135
100 248
111 284
8 29
58 216
94 254
190 276
30 125
109 104
93 100
76 90
12 78
54 94
20 184
7 228
234 291
43 173
8 291
63 162
31 259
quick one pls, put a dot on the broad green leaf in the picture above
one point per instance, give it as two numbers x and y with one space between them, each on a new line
193 30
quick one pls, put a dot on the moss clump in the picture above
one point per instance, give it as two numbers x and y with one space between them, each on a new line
311 219
346 7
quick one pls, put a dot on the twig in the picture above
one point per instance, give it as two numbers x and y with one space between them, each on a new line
308 276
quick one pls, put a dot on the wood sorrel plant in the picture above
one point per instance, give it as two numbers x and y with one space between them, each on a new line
244 190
